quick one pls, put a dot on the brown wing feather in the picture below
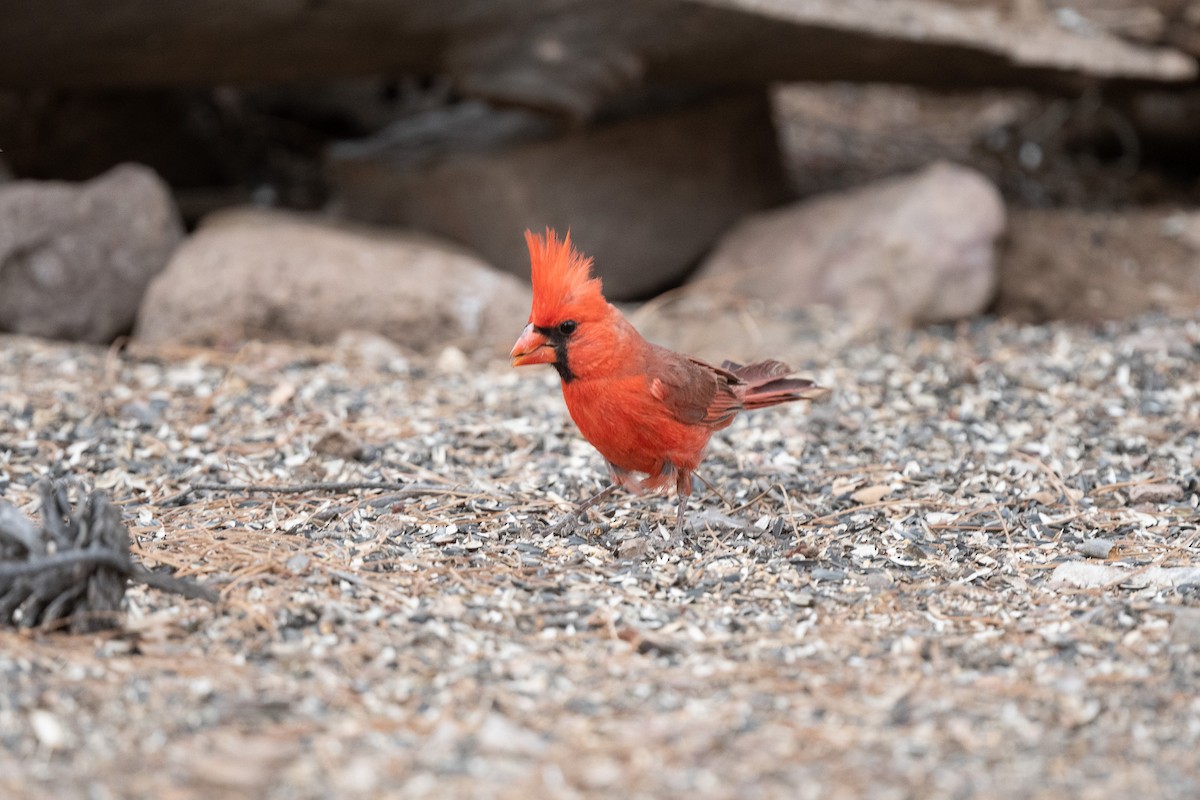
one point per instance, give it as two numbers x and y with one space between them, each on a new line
759 371
694 392
697 393
769 383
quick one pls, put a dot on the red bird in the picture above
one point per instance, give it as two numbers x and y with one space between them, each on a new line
646 409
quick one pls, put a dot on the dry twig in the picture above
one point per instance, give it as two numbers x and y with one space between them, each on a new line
75 568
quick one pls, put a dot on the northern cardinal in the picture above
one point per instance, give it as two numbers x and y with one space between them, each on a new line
646 409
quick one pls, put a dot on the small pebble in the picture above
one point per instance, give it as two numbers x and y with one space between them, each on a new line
823 574
452 360
634 547
298 562
48 729
1154 493
1095 548
802 598
879 580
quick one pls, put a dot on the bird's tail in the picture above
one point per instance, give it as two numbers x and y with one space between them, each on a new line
769 383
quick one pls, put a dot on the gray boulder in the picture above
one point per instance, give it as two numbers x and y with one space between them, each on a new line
258 274
75 259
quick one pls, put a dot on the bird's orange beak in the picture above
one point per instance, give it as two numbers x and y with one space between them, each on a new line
532 348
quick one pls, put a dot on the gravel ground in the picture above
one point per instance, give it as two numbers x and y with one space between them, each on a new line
973 572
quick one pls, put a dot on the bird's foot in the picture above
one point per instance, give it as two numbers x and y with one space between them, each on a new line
676 539
564 526
568 523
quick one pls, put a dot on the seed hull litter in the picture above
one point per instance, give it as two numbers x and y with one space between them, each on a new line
970 572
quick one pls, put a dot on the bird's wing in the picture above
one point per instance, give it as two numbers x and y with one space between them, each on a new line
695 393
759 371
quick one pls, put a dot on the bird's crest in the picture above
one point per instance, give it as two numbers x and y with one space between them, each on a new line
562 276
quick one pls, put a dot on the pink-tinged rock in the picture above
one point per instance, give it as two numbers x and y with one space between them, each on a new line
909 250
258 274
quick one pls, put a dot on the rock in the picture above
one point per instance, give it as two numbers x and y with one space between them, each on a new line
1095 548
836 135
1041 150
366 350
914 249
1186 33
250 273
1185 627
49 729
569 56
76 259
499 734
879 579
298 563
337 443
868 495
1091 575
1154 493
452 360
633 547
1063 263
645 196
1185 226
1173 22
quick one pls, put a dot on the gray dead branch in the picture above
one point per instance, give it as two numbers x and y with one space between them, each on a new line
74 570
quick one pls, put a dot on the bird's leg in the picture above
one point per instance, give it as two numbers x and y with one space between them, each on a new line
683 490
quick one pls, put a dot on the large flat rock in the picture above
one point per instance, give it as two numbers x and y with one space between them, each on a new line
567 55
646 195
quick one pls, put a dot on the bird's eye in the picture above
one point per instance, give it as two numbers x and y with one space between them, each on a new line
568 327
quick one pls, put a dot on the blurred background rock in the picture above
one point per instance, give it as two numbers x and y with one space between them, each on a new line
658 132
